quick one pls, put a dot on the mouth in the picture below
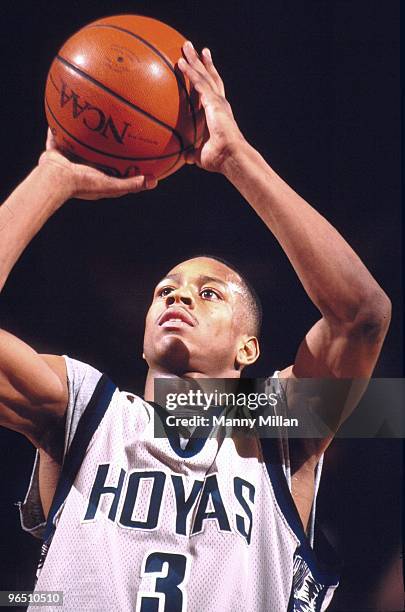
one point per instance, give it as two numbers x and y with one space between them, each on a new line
176 318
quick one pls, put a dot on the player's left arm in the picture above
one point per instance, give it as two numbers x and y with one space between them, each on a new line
355 311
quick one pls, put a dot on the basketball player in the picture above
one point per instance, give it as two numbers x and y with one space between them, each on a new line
140 523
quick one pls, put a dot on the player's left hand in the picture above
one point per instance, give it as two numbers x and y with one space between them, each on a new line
86 183
222 137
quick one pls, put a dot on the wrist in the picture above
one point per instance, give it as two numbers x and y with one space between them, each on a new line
56 177
238 155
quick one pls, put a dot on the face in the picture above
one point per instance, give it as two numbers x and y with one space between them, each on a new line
196 320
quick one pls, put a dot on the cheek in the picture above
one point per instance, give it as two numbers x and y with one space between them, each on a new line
149 321
221 322
237 322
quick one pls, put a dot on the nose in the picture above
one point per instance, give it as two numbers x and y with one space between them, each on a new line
180 296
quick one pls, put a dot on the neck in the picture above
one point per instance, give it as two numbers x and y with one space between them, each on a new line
153 373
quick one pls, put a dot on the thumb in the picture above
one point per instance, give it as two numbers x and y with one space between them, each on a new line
193 157
190 157
134 183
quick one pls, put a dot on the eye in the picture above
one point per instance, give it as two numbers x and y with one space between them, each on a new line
164 291
210 294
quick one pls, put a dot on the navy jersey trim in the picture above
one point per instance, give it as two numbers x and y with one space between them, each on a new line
89 421
271 456
195 443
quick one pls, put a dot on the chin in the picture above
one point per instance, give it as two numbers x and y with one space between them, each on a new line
174 355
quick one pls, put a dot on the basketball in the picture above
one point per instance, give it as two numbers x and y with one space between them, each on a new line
115 99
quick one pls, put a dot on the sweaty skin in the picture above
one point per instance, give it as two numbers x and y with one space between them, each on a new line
344 343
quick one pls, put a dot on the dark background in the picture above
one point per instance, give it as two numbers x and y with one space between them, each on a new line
314 86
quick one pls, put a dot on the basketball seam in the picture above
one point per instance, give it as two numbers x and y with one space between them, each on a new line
178 153
116 95
162 57
53 82
172 166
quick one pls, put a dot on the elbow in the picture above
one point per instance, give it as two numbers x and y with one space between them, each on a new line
374 316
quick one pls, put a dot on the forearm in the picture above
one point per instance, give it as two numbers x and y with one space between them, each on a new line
26 210
332 274
31 391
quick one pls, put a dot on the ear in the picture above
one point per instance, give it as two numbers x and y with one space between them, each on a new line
248 351
143 356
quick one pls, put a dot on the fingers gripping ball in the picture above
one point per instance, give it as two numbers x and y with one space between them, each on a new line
116 100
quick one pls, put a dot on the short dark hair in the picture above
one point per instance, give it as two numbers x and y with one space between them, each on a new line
251 297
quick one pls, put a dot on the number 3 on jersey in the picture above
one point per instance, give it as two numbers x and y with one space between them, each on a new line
170 572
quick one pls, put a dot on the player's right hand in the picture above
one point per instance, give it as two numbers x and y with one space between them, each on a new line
88 183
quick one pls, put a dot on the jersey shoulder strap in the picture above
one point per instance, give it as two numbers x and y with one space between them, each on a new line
89 421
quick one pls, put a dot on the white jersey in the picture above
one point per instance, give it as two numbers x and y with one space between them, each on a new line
140 524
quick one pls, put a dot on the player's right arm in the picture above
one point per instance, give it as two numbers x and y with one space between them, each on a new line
33 387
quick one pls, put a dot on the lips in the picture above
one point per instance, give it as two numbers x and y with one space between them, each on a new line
176 316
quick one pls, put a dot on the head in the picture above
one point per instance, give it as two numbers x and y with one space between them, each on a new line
204 320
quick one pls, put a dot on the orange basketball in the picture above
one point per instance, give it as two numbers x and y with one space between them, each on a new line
116 100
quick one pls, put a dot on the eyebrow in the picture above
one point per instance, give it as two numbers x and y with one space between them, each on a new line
201 278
